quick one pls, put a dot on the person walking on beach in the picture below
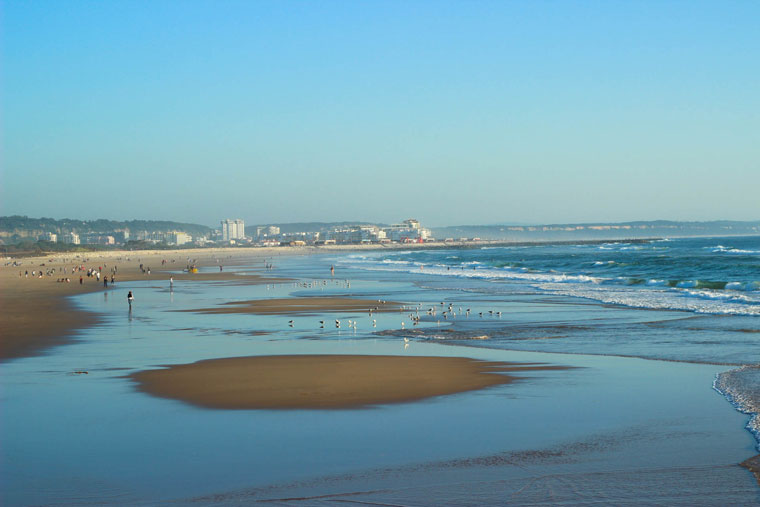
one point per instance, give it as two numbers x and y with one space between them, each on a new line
332 270
130 298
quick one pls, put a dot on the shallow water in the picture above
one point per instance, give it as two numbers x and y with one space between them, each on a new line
614 429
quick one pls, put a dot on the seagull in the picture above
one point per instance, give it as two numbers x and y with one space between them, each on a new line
406 340
374 323
290 323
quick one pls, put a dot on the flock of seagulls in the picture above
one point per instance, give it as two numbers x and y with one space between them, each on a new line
314 284
443 310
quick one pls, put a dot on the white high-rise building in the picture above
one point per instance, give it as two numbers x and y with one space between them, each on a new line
233 229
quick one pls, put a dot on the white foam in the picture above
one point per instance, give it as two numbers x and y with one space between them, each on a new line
660 298
730 249
654 293
743 286
742 388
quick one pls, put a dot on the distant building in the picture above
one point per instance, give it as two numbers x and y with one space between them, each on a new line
267 232
49 236
180 238
233 229
357 234
70 238
99 239
408 231
121 236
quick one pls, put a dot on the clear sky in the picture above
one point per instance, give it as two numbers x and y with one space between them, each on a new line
451 112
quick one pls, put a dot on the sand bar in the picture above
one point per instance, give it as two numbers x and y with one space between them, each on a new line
301 305
324 381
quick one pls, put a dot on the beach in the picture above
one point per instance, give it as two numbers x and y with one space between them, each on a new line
324 381
238 387
38 314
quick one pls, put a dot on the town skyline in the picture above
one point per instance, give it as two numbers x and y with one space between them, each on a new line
24 233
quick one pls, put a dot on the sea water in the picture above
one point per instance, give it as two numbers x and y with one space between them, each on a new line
614 428
707 291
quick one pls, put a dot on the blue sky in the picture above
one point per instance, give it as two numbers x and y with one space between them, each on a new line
451 112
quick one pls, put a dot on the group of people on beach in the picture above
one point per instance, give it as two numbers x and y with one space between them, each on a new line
96 273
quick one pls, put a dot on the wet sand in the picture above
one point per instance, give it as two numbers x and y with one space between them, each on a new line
301 305
323 381
37 313
753 465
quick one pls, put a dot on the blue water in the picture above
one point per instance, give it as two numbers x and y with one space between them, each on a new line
712 276
687 300
642 428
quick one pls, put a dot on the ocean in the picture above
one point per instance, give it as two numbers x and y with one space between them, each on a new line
659 404
699 300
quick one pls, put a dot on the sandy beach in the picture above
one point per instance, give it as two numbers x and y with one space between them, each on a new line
302 306
323 381
37 313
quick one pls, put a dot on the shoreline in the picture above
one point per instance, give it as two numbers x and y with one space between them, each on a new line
315 249
312 249
38 313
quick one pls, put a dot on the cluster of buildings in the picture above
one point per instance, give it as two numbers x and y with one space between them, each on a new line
232 232
176 238
408 231
72 238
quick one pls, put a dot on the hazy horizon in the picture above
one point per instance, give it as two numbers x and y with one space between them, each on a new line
249 223
450 112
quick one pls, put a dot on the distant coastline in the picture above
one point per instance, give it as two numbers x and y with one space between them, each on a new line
311 249
23 236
